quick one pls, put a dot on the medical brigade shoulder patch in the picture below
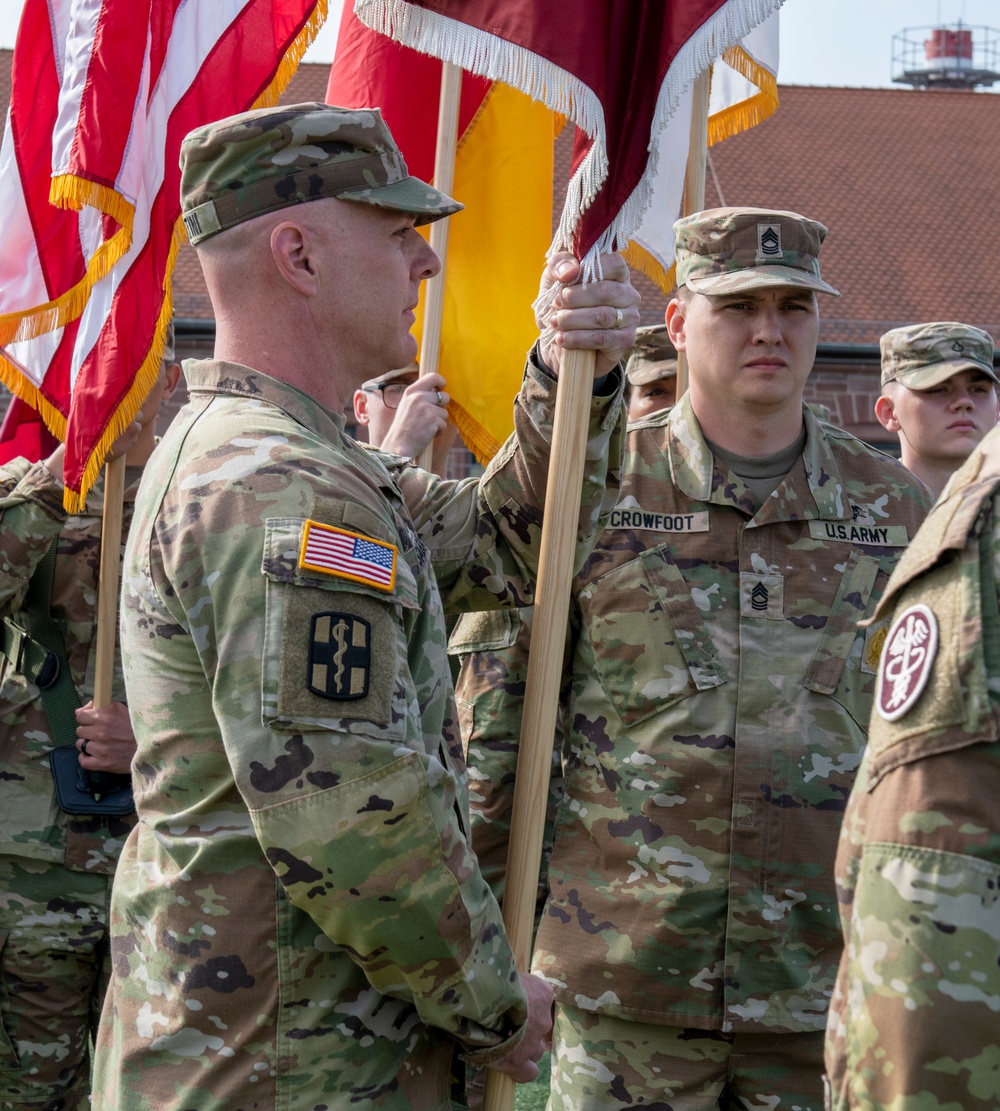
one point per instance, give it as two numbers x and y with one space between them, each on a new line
348 555
339 656
907 661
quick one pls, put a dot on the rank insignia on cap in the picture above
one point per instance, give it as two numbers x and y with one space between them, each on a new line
907 661
768 242
339 656
348 555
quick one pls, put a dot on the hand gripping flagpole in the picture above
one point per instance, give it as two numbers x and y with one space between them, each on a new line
444 177
545 660
107 592
694 180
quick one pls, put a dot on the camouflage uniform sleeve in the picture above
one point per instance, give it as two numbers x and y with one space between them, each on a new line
481 533
354 803
913 1017
31 517
493 647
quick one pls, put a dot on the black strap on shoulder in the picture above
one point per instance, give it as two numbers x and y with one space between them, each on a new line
32 642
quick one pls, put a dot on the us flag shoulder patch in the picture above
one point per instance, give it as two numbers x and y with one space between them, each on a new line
348 555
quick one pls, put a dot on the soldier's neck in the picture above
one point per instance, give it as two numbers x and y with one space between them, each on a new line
747 431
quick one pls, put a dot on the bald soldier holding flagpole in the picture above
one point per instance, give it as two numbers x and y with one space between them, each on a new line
299 919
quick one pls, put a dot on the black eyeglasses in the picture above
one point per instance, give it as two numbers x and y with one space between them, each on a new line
391 392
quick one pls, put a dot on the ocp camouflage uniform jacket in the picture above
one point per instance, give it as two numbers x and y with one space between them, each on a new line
914 1018
718 710
31 517
299 920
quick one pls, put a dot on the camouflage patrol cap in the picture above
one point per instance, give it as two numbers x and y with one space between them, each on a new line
260 161
922 356
729 250
653 356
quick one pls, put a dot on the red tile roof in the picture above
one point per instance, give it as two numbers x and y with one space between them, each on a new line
905 180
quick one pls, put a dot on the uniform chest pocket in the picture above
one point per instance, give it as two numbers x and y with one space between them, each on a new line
845 662
334 651
649 641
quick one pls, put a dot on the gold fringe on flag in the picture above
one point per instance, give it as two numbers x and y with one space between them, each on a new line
142 383
31 323
72 192
475 437
747 113
149 370
14 379
293 55
640 259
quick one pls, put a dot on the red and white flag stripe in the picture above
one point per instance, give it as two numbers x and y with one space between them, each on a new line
103 92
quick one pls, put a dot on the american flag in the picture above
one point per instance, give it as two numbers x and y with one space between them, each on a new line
349 555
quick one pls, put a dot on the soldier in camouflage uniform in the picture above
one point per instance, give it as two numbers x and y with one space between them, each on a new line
718 705
650 373
298 919
938 395
913 1022
492 648
56 868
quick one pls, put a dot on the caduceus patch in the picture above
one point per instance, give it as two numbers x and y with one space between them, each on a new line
907 661
339 656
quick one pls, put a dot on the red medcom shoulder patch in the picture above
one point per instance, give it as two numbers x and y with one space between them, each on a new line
907 661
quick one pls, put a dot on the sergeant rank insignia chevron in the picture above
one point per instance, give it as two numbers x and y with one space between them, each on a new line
768 242
339 656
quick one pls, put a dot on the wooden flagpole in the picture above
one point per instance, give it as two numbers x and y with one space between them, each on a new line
107 591
444 177
694 180
545 660
552 596
558 543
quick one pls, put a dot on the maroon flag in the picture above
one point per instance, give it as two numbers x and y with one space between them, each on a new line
617 69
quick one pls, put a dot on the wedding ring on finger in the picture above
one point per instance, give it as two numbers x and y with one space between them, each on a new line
83 747
440 398
619 319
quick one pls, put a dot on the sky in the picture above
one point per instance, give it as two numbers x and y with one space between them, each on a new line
823 42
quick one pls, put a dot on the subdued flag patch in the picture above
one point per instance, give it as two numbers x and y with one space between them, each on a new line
348 555
339 656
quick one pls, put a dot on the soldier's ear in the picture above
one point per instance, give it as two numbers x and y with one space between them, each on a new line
885 412
291 250
173 374
675 324
361 414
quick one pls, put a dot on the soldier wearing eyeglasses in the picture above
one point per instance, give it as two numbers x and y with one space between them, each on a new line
404 411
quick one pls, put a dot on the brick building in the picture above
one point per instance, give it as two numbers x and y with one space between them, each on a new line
903 178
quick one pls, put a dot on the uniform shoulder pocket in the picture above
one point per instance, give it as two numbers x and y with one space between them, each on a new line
933 683
334 639
484 631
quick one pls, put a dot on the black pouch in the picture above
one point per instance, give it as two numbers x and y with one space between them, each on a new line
81 792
